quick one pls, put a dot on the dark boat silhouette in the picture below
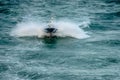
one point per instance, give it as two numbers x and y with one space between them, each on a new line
50 30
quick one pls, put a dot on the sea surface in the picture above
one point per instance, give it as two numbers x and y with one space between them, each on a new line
87 46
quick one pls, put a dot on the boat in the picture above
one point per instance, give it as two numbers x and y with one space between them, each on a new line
50 30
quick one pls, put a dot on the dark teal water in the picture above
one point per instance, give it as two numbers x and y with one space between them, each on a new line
73 56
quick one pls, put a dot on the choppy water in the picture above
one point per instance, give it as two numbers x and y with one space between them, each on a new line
88 47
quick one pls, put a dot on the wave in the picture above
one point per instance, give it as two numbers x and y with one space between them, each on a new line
65 29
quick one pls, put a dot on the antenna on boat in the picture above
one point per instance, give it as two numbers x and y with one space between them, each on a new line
51 20
50 24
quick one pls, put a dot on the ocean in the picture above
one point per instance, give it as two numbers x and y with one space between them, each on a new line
87 46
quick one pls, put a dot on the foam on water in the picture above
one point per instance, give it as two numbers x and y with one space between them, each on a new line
65 29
